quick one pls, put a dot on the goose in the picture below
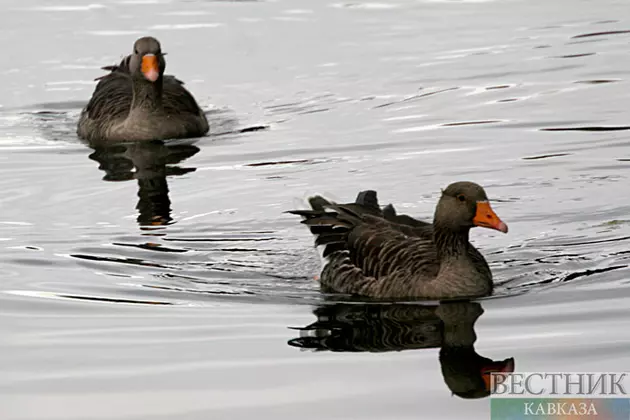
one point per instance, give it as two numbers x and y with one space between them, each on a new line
137 102
376 253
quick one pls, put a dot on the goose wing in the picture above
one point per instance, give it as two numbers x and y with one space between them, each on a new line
177 99
369 255
112 96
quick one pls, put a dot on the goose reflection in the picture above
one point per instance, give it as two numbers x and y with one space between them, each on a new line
149 163
383 328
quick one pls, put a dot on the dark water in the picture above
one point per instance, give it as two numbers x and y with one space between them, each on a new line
160 281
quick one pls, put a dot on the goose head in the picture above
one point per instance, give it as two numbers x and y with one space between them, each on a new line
147 60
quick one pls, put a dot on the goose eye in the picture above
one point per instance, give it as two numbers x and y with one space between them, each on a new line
135 51
461 197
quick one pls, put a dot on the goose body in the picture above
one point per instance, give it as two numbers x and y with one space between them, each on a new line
137 102
378 253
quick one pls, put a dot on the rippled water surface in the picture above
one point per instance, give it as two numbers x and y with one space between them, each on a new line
164 281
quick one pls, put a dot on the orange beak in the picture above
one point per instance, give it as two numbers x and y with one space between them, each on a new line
505 367
485 217
150 67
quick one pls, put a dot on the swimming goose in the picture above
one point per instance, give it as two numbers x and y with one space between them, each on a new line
377 256
137 102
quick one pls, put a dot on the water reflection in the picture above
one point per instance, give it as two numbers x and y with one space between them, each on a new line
382 328
150 163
